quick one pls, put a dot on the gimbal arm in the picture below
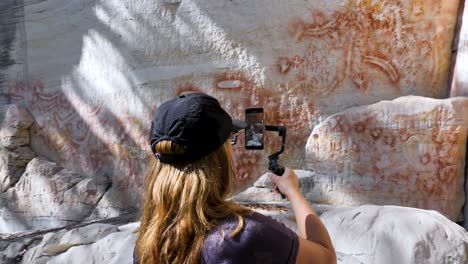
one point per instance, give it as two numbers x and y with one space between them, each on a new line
273 158
273 164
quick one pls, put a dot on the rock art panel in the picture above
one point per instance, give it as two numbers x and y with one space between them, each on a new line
372 45
47 195
299 60
87 137
409 152
338 56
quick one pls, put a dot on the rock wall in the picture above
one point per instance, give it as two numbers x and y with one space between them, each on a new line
36 193
12 47
93 71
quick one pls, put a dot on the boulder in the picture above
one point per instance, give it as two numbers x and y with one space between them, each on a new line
12 251
48 195
12 165
262 190
14 131
96 243
394 234
63 240
116 202
408 152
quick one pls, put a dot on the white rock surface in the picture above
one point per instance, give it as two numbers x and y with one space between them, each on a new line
311 185
14 131
13 250
12 165
61 242
48 195
96 69
392 234
96 243
15 152
410 152
360 234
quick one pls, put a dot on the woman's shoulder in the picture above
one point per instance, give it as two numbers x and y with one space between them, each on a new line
258 220
260 237
252 221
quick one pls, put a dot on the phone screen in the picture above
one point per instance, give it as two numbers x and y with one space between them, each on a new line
255 129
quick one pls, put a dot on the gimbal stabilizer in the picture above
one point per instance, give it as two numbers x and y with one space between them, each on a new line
273 164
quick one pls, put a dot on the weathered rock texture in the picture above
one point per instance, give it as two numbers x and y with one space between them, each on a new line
459 84
391 234
48 195
410 152
361 235
97 243
14 132
97 69
15 152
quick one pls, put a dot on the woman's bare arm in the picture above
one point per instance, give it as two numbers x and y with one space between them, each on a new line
314 241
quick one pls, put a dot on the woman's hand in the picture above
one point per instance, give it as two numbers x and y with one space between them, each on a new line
315 245
287 183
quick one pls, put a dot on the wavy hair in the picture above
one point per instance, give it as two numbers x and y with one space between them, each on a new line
183 201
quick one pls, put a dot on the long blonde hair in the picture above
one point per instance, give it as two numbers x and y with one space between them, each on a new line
184 201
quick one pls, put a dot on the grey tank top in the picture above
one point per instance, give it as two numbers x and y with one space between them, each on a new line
261 240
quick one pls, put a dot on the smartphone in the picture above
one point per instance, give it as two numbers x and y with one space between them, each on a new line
255 130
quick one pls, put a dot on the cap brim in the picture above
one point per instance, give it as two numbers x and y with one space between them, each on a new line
238 125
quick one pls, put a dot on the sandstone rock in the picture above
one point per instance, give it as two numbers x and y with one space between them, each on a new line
10 222
409 151
13 137
62 241
48 195
116 247
34 256
263 189
301 60
13 250
360 234
12 165
17 116
393 234
116 201
346 259
14 131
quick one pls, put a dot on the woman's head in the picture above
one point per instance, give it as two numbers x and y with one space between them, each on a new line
188 182
194 121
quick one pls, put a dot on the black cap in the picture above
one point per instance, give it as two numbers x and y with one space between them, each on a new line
196 121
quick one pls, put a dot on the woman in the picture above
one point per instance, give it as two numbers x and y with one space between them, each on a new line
186 217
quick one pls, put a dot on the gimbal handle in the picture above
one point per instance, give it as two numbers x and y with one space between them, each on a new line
273 165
